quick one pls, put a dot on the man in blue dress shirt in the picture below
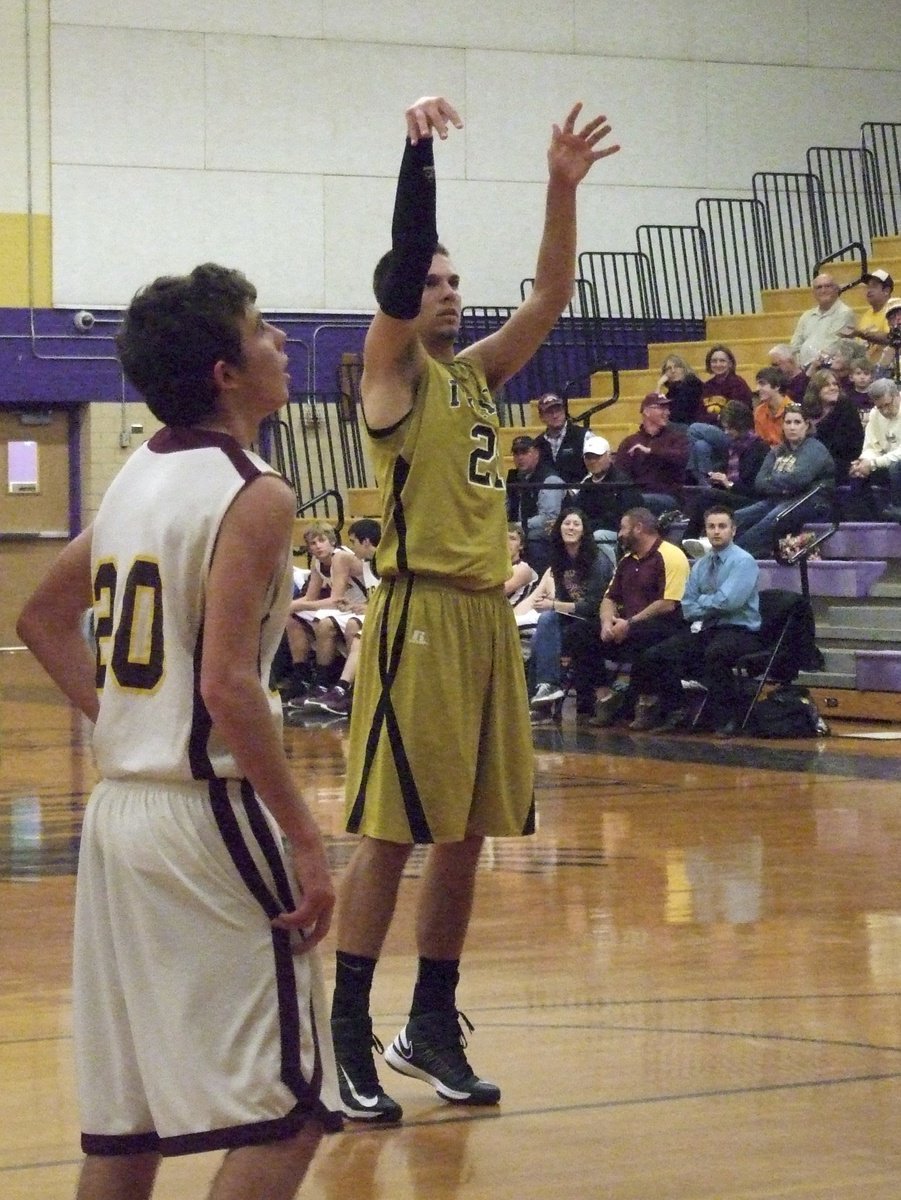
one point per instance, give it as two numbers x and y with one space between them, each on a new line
722 609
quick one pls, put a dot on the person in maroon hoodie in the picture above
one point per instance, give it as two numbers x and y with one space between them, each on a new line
656 456
707 439
724 382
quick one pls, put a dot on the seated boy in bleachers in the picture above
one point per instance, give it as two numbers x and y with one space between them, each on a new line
350 575
313 639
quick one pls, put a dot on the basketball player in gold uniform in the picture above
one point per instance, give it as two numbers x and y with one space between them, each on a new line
440 745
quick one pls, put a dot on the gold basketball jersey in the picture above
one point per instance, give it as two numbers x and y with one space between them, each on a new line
443 491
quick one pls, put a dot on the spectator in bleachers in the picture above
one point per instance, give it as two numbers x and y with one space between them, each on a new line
733 486
795 379
535 508
523 576
560 446
655 458
841 357
353 579
314 643
603 505
835 419
880 458
568 625
862 375
872 325
819 326
724 382
886 366
771 405
683 388
707 439
722 609
640 607
799 463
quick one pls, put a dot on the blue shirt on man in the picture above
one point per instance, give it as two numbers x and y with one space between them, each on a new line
722 589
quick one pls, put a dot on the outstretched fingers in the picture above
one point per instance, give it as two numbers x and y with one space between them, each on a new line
569 124
431 114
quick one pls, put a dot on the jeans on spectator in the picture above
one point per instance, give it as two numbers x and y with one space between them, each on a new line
699 501
558 636
659 502
758 524
709 449
547 646
607 542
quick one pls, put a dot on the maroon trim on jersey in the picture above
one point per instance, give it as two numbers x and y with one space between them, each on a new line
201 722
228 1138
173 438
307 1091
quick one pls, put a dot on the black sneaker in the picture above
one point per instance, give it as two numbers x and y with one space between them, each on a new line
362 1096
430 1047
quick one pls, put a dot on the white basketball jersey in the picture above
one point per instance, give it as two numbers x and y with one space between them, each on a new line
151 549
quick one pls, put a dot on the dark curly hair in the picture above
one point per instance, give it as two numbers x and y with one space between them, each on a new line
586 554
174 332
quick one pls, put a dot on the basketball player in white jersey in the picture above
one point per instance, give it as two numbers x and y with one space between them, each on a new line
199 1015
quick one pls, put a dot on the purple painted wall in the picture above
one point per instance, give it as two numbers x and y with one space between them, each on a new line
54 363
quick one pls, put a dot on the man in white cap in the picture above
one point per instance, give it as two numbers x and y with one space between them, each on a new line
601 501
872 324
887 363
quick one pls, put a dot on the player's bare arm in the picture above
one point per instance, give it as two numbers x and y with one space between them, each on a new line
251 552
52 625
571 155
393 355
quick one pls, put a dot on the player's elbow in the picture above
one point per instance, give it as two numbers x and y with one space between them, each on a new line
30 624
224 690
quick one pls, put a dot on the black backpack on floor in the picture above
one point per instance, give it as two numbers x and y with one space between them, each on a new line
787 712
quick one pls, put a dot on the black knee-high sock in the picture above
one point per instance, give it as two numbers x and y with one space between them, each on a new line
436 986
353 983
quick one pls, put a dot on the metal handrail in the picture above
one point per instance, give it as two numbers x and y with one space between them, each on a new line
802 555
329 492
836 254
585 417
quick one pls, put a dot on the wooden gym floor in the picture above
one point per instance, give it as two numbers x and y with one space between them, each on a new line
687 983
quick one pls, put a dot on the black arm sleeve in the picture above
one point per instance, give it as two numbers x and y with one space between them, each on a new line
414 233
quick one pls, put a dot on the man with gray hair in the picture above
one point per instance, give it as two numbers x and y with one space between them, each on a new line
820 325
880 458
784 359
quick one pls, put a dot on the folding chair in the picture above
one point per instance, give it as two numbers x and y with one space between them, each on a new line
788 636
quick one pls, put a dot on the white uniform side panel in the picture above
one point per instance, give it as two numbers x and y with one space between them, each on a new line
152 545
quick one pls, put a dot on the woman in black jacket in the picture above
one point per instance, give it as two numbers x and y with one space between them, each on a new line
683 389
569 625
836 421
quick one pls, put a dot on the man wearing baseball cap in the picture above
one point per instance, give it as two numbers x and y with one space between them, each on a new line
656 456
601 501
872 325
560 446
888 361
534 508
